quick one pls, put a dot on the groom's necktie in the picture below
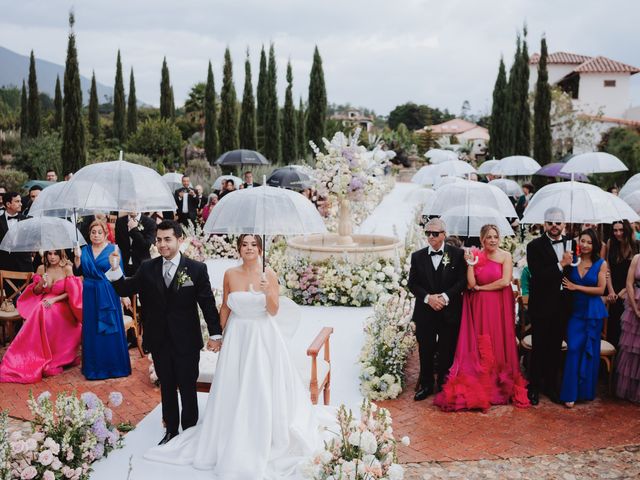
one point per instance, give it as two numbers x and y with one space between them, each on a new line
166 273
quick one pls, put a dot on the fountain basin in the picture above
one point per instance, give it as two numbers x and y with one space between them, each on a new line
322 247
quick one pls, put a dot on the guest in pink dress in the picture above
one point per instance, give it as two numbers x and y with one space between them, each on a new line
50 337
486 368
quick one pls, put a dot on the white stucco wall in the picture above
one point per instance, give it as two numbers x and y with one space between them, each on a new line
594 97
555 71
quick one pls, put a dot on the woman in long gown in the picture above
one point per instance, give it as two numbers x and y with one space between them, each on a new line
259 422
49 340
628 361
105 352
587 281
486 368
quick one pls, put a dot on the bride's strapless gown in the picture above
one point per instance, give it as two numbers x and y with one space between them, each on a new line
259 422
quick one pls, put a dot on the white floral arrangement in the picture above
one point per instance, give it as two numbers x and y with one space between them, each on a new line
517 247
202 246
389 339
67 436
5 449
362 449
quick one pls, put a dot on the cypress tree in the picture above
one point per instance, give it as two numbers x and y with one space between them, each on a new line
271 121
228 127
300 138
94 115
172 104
513 102
24 112
119 108
210 127
132 107
73 142
289 133
317 109
57 103
262 95
33 106
523 128
165 91
247 128
542 111
499 129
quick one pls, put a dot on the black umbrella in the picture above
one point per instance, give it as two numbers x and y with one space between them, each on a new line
289 177
242 157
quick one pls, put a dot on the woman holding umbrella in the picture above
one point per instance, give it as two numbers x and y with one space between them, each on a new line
105 353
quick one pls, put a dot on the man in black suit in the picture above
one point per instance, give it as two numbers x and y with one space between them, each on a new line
33 194
548 258
135 233
171 287
248 181
17 261
187 202
437 278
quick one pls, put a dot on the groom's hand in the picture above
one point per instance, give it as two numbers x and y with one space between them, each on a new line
214 345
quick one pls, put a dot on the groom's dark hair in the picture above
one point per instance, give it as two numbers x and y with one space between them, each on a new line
171 225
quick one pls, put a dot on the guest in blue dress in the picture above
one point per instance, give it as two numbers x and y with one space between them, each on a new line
587 281
105 352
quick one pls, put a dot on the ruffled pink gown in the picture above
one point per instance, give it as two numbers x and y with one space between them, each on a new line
49 338
486 368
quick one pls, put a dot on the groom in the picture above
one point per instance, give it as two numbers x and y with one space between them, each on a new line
171 287
437 277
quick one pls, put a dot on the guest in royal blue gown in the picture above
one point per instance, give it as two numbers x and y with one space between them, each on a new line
105 352
587 281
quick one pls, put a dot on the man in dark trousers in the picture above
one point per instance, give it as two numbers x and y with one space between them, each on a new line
171 287
548 258
9 218
437 278
187 202
135 233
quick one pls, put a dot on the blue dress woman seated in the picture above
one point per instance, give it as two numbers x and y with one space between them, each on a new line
587 281
105 352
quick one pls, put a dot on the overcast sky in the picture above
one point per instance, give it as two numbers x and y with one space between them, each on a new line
376 53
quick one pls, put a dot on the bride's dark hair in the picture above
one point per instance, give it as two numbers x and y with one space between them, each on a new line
244 235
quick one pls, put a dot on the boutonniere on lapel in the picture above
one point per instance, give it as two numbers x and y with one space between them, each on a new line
140 227
183 279
446 260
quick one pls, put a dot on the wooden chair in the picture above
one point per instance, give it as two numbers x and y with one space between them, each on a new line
607 355
320 374
12 289
132 321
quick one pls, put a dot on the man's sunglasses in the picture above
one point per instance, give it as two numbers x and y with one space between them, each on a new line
431 233
557 224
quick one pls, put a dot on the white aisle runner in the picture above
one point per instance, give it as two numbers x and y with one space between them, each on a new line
346 342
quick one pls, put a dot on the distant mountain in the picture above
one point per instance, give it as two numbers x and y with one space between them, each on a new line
15 67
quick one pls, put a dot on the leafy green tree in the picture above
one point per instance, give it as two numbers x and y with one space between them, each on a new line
247 129
166 97
210 127
94 114
159 140
498 130
416 116
195 100
37 155
24 112
289 133
271 120
262 96
300 134
513 100
542 111
34 100
228 126
73 151
624 143
172 104
132 110
57 102
119 106
317 109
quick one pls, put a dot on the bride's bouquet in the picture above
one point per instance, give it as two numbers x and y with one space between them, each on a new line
363 449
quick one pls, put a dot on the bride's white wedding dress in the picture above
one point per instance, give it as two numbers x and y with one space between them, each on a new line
259 422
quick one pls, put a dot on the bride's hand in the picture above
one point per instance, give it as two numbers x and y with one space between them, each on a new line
264 284
214 345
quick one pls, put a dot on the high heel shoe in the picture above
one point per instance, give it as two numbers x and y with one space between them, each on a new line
569 404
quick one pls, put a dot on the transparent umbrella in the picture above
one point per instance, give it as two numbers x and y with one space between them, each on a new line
594 162
466 192
486 166
580 202
454 168
45 204
41 233
217 184
437 155
467 220
421 196
630 186
516 165
173 179
427 175
116 186
633 200
441 181
510 187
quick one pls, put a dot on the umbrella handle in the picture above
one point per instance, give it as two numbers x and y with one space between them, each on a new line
472 263
577 262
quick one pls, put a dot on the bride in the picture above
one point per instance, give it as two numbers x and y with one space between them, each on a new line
259 422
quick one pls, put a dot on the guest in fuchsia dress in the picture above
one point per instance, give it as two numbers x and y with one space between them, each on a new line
486 368
50 337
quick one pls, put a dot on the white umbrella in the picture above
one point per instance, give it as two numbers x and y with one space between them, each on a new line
630 186
580 202
454 168
421 196
594 162
437 155
41 233
510 187
45 204
116 186
633 200
441 181
427 175
467 220
466 192
173 179
516 165
237 181
486 166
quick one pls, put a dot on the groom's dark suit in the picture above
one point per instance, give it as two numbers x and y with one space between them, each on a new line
437 331
171 330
